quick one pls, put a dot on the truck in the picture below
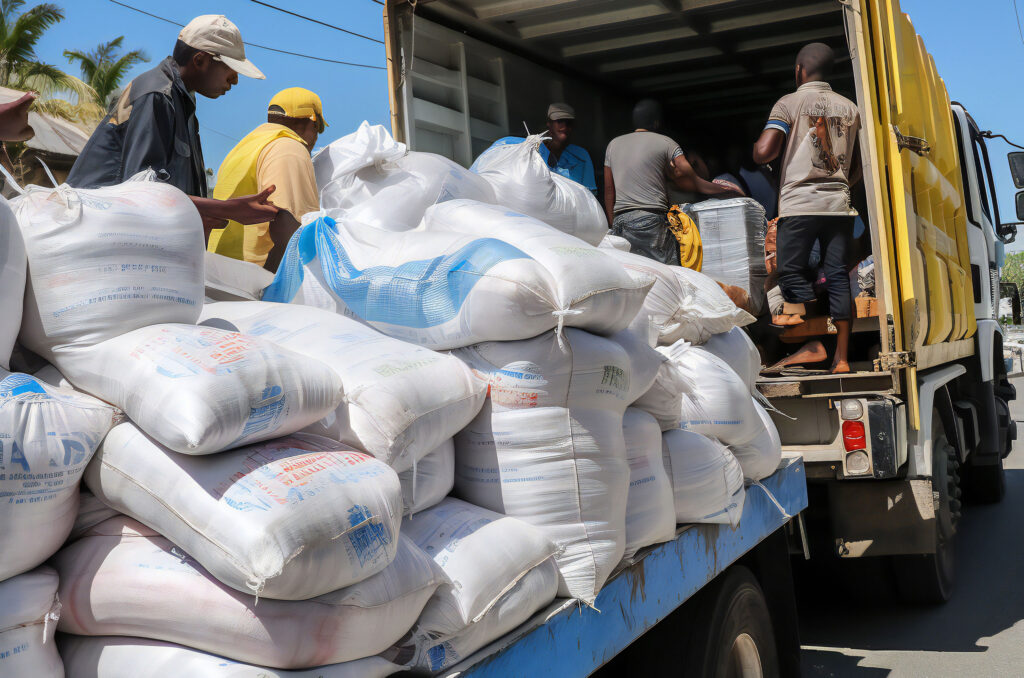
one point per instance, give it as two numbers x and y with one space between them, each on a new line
889 451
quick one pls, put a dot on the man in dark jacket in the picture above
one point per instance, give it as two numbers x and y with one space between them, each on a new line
153 124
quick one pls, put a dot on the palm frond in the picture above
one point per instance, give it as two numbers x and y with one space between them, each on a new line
87 62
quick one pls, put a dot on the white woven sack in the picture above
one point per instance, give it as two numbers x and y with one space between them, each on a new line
47 437
739 352
106 261
522 181
707 481
229 279
291 518
682 304
715 400
555 430
477 478
482 555
430 479
122 579
650 512
444 289
379 182
13 265
614 242
200 390
644 362
121 657
401 400
91 512
591 290
532 592
664 399
29 610
761 456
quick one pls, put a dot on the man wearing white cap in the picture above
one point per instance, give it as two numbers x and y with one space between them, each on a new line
153 124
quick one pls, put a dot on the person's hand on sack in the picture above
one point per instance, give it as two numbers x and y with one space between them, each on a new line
730 185
14 119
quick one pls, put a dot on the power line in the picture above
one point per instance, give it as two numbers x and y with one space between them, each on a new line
378 2
317 21
1016 15
253 44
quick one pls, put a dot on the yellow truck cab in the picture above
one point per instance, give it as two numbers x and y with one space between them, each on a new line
922 422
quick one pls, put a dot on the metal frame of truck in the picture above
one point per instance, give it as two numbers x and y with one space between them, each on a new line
569 640
933 407
934 415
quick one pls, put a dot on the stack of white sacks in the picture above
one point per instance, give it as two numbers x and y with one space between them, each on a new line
270 481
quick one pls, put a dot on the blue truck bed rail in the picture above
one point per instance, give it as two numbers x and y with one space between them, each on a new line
569 640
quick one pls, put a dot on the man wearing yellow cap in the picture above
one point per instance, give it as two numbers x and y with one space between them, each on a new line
153 124
275 154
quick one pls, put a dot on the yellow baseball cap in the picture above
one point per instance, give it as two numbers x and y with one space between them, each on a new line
298 102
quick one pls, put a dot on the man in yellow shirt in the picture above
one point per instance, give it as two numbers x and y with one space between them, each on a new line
274 154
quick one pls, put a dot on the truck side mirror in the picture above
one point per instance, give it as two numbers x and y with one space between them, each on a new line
1017 168
1019 201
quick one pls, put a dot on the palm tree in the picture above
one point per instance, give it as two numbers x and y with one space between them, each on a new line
103 69
20 67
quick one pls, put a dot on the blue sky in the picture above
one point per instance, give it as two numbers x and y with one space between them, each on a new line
975 44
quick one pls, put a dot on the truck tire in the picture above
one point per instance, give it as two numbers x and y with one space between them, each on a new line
928 578
732 634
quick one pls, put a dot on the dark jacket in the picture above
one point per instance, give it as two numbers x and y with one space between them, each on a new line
152 125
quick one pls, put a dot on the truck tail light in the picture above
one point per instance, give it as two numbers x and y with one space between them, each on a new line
853 436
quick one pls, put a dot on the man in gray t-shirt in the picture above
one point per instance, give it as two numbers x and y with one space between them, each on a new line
817 128
637 169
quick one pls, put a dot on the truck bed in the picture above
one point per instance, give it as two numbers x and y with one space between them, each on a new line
568 640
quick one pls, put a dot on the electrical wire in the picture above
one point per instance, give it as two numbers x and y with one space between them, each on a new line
992 135
317 21
253 44
1016 15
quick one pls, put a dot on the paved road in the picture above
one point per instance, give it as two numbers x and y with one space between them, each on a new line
978 634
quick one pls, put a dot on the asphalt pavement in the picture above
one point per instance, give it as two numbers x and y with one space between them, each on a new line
979 633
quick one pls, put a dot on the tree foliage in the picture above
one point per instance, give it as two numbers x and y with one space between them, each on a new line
1013 269
21 68
103 68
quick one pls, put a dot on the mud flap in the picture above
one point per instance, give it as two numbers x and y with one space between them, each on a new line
888 517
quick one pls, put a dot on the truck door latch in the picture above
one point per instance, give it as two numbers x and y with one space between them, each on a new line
913 144
887 362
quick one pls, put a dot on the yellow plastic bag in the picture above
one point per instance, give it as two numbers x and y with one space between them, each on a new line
691 249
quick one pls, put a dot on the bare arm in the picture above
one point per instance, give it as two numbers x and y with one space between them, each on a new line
768 146
246 209
282 228
609 195
856 169
681 173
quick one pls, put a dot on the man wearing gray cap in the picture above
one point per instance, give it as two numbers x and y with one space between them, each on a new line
569 160
153 123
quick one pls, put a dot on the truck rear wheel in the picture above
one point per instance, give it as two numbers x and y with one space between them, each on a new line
928 578
734 637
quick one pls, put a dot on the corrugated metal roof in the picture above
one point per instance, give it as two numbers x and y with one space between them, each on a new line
52 134
670 49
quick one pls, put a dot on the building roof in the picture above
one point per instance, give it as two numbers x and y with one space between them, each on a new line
53 135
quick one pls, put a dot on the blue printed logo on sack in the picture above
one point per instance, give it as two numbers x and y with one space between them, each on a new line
264 412
20 384
368 535
437 657
417 294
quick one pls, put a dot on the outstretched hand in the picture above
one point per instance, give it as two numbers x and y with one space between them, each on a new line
14 119
252 209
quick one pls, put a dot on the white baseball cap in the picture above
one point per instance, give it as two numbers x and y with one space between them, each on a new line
217 36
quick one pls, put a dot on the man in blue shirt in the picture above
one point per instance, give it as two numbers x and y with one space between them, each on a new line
569 160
